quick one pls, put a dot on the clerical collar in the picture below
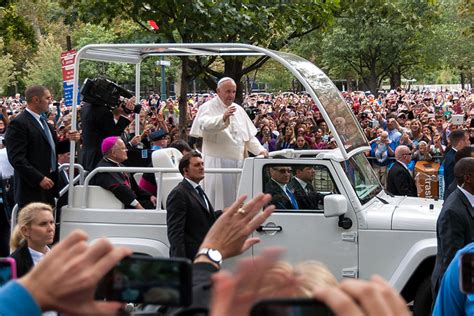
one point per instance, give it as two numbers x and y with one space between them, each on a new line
111 160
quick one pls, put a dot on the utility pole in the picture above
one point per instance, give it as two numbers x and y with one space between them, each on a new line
163 63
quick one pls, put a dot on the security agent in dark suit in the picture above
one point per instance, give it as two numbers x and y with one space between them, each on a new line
458 139
63 151
455 226
98 122
277 186
121 184
301 186
31 149
399 179
467 151
190 214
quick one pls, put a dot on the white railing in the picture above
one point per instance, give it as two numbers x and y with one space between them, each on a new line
158 175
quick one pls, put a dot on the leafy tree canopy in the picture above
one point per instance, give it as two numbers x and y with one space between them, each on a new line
376 37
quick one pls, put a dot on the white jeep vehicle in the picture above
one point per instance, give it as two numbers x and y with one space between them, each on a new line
358 231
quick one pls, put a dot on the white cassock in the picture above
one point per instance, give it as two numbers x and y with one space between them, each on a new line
224 145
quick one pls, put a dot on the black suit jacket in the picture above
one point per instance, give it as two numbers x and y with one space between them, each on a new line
454 230
448 165
97 124
122 185
279 198
29 152
400 181
448 190
23 260
188 220
306 200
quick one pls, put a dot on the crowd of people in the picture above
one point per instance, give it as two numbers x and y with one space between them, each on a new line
421 120
401 126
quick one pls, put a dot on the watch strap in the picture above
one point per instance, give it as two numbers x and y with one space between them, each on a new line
205 252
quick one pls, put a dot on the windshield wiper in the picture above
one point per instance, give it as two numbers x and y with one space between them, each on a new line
381 200
388 193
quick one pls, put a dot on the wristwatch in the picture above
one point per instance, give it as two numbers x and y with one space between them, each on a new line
213 254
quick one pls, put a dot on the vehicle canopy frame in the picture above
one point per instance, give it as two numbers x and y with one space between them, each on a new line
337 114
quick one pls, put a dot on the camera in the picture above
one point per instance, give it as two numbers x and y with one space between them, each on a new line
147 280
7 270
102 91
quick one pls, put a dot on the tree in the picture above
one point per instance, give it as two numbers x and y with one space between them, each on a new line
246 21
7 74
377 39
16 33
456 33
45 67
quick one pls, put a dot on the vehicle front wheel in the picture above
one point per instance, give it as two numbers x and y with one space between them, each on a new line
423 298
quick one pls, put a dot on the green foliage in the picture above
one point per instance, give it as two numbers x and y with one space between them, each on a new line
261 23
6 66
13 26
375 38
274 75
45 67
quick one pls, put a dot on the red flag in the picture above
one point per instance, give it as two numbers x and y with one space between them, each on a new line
153 25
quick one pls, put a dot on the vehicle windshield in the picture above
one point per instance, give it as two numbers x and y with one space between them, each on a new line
345 123
362 177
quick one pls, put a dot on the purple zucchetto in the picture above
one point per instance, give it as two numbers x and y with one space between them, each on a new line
108 143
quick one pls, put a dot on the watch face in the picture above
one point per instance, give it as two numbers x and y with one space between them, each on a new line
215 255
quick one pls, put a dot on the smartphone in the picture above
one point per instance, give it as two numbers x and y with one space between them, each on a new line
7 270
457 119
148 280
466 273
290 307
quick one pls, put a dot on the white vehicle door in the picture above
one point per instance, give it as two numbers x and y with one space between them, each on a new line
306 233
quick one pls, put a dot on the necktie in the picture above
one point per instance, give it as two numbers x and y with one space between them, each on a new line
48 135
202 195
292 198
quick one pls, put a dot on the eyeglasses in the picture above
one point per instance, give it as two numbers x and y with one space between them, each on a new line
406 154
282 170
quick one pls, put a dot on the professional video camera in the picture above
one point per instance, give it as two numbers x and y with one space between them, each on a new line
102 91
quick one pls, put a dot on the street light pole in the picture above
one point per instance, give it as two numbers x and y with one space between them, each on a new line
163 63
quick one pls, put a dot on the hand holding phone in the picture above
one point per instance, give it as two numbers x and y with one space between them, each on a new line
147 280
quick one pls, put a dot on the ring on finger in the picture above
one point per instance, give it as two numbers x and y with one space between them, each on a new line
241 211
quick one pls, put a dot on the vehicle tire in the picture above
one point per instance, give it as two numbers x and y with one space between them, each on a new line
423 298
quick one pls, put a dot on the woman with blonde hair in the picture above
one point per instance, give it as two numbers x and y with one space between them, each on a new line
307 275
33 233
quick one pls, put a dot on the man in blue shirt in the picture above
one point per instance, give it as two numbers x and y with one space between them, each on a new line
450 299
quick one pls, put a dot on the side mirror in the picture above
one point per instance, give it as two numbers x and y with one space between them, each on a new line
335 205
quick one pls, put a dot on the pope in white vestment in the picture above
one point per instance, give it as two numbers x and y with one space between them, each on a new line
227 134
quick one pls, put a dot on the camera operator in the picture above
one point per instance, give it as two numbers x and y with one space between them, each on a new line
98 122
